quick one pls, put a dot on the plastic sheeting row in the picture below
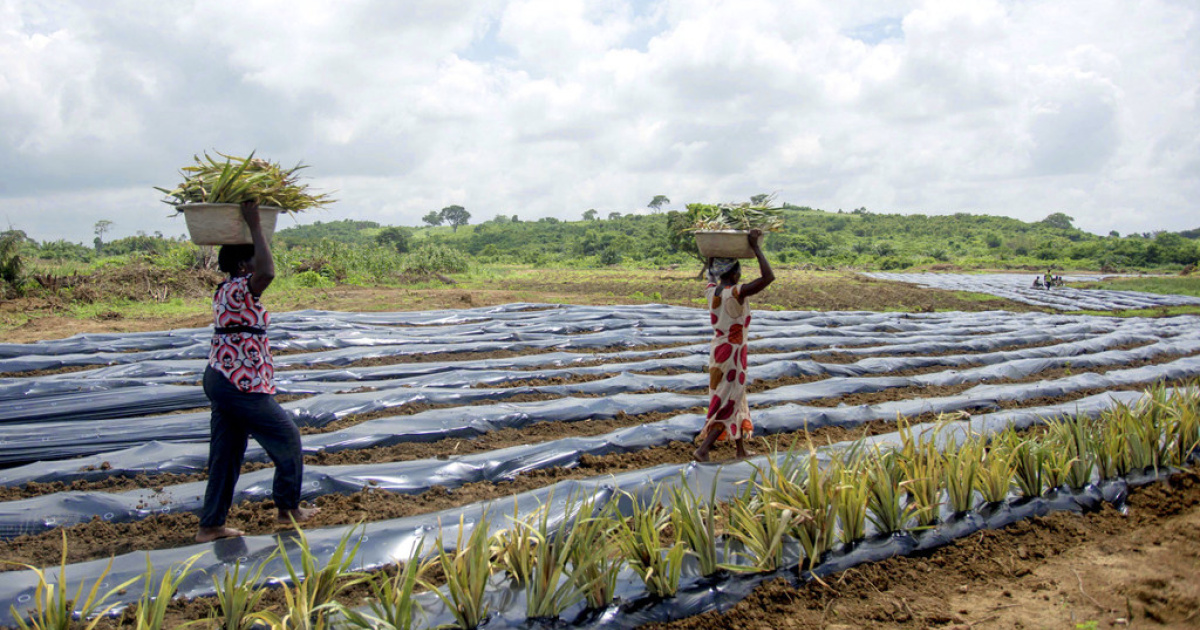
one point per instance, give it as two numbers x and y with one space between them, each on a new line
1019 288
42 513
343 338
108 411
385 542
59 439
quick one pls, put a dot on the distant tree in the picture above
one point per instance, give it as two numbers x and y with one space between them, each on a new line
613 216
433 218
1169 247
658 202
455 216
515 219
760 199
19 236
590 215
100 228
1114 234
397 237
1058 220
679 238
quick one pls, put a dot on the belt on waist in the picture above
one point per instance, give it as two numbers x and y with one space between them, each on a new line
233 330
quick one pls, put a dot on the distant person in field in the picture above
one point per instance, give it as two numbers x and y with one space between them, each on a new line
1037 282
728 413
239 382
1049 279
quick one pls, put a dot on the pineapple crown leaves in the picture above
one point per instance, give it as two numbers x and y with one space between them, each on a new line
235 179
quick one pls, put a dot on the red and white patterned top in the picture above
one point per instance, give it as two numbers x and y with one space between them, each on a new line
244 358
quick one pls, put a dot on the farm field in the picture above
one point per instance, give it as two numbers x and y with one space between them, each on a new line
25 320
417 416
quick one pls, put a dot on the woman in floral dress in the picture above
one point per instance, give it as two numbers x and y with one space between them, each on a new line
728 413
239 382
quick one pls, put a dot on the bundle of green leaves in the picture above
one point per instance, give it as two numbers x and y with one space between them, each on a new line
737 216
236 179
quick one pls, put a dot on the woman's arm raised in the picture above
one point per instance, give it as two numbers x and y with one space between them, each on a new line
264 265
766 275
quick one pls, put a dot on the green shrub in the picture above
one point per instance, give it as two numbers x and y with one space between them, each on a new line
434 258
889 263
181 256
313 280
610 256
12 265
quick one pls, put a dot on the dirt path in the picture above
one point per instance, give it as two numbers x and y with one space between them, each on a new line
792 290
1101 570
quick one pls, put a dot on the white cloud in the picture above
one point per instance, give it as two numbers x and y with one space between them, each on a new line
548 108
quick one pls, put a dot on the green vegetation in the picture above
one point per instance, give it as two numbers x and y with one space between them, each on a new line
858 239
467 570
313 588
11 263
736 216
154 269
238 596
55 609
1172 285
1146 312
237 179
311 234
151 610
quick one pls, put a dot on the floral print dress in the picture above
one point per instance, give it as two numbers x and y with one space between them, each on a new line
727 408
243 357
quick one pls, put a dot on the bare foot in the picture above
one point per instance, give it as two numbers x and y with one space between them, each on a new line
209 534
700 456
299 515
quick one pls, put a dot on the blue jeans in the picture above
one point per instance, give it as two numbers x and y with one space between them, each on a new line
237 416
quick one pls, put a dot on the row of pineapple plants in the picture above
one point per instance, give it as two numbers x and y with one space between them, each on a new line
793 501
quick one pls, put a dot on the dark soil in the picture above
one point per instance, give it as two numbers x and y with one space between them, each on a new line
1100 570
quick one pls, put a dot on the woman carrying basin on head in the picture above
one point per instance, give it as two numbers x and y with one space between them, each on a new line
728 413
239 382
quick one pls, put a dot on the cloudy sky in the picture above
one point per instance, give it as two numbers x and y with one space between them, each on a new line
551 107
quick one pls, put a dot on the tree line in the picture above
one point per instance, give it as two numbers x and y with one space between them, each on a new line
858 238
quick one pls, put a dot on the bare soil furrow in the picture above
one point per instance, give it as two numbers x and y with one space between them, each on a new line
1106 569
